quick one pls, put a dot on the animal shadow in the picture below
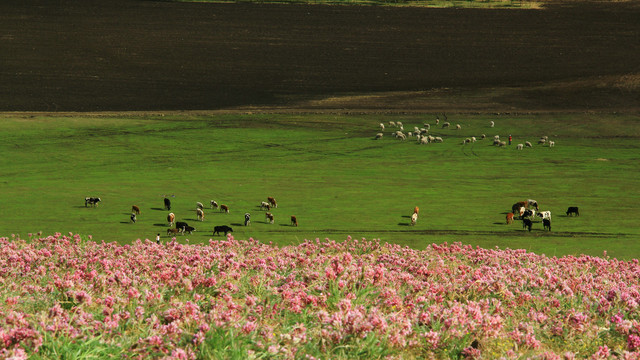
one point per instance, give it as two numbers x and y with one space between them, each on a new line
163 225
158 209
404 224
236 224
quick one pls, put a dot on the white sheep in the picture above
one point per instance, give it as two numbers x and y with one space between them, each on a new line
483 136
542 141
473 139
503 143
528 144
382 126
379 136
399 124
391 123
424 140
520 146
445 125
492 124
438 139
458 127
427 126
496 137
552 143
496 141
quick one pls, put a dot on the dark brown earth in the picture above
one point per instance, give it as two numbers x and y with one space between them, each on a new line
130 55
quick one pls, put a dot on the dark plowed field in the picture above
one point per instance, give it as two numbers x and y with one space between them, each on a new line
117 55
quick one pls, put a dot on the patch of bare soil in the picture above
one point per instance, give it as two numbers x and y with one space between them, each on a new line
157 56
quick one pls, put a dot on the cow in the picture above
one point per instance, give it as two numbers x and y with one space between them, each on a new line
224 208
93 201
135 209
414 218
223 228
416 210
214 204
573 210
167 204
181 225
133 218
272 202
532 203
199 205
265 206
294 220
544 215
509 218
526 223
188 229
200 214
269 217
172 231
171 218
516 207
547 224
247 219
529 213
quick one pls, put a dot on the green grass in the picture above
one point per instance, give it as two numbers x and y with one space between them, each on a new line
329 172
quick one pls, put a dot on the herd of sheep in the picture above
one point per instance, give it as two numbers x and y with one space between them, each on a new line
423 136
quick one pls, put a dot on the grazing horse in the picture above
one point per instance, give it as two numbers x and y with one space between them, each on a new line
509 218
294 220
135 209
171 218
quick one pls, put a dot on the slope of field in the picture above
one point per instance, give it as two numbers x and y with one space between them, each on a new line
121 55
328 171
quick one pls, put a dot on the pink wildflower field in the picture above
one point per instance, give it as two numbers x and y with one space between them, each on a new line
320 299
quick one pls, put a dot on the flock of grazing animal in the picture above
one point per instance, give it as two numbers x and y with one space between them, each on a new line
423 137
182 227
529 210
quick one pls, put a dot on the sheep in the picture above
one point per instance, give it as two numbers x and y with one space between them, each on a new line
391 123
437 120
438 139
496 137
496 141
492 123
379 136
446 125
427 126
483 136
399 124
458 127
520 146
542 141
466 141
503 143
528 144
552 143
415 129
381 127
402 137
410 134
424 140
473 139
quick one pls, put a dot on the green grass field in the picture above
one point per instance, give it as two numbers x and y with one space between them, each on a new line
328 171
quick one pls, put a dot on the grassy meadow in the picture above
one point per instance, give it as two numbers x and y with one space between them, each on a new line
328 170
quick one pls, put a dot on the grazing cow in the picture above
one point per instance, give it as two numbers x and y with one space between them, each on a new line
199 205
188 229
272 202
224 208
545 215
180 225
414 218
265 206
223 228
167 204
171 218
532 203
573 210
200 214
547 224
416 210
93 201
247 219
269 217
529 213
294 220
509 218
135 209
526 223
172 231
214 204
133 218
